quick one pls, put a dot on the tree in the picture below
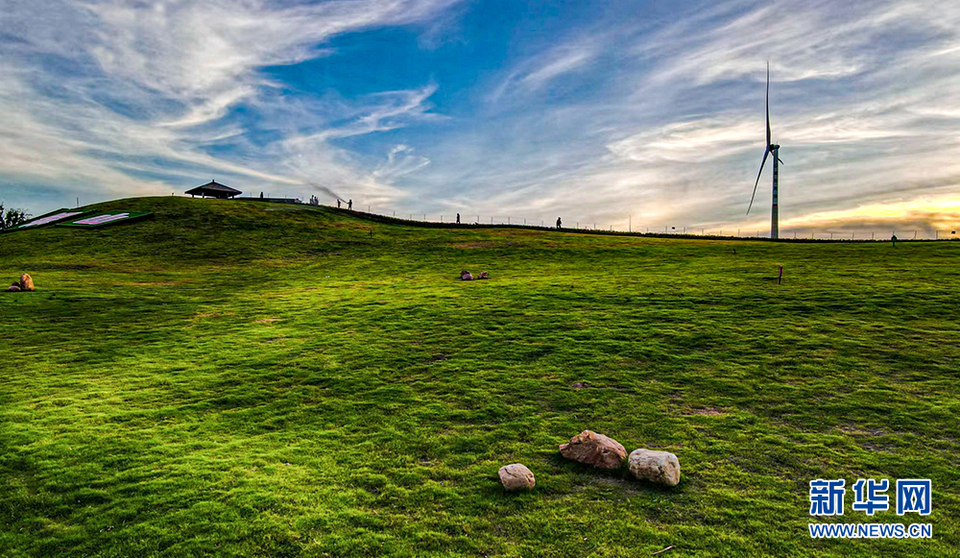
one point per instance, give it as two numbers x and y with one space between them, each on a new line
11 217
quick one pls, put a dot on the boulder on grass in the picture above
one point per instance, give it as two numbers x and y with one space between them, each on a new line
594 449
516 476
661 467
26 282
466 275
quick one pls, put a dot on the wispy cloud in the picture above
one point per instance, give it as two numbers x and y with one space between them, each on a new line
861 103
627 111
538 71
120 97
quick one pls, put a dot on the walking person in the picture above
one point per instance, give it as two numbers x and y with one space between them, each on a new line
350 204
338 203
559 223
894 240
458 218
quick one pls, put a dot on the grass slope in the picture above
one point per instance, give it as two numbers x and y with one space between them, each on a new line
246 379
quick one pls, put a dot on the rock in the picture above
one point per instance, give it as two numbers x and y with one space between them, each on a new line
594 449
26 282
483 275
516 476
13 288
661 467
465 275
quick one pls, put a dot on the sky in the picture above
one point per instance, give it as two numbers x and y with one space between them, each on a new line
647 114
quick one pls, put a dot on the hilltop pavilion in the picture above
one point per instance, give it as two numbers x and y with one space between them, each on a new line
213 189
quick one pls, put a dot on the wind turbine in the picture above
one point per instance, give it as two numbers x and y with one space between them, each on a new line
775 149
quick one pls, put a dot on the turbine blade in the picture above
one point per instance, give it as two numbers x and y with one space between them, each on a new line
757 183
768 103
781 160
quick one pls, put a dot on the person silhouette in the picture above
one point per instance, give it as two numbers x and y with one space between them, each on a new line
559 222
350 203
338 203
458 218
894 240
261 195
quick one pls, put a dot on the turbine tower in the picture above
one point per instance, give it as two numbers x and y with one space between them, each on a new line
775 149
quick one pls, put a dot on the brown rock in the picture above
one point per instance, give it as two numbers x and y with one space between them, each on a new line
661 467
26 282
594 449
516 476
466 275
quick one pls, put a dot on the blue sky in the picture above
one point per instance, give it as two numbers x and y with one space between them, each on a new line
597 112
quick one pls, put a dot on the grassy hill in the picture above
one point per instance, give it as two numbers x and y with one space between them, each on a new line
247 379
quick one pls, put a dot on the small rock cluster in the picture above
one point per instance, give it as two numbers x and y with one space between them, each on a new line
24 284
603 452
467 276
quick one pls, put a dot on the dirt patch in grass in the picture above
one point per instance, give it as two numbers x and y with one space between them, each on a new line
705 411
151 283
270 320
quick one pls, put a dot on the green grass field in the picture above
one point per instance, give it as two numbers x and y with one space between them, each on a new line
247 379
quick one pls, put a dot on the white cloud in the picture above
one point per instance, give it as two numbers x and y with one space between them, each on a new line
536 72
666 124
862 102
93 92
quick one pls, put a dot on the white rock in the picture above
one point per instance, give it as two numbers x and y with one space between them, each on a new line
661 467
516 476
